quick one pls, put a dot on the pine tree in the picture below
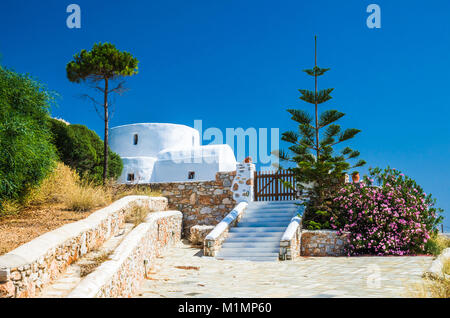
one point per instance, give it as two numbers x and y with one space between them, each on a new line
103 64
319 172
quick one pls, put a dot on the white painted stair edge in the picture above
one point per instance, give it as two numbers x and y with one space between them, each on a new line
290 236
213 241
225 223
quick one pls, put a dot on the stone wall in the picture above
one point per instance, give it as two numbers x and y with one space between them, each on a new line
198 234
213 241
27 269
133 260
291 240
323 243
201 202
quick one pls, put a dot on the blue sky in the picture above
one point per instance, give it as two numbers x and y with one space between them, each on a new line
238 64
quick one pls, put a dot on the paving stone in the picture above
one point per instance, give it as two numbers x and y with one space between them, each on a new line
303 277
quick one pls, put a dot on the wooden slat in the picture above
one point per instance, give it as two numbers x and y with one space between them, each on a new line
270 187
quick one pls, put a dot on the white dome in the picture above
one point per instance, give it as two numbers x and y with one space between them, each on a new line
156 152
138 140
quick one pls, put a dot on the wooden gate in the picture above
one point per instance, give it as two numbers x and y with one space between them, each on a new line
268 186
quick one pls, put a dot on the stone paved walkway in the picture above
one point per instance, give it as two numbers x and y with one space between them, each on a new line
184 272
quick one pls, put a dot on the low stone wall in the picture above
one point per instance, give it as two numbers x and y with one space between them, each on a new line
199 233
323 243
201 202
436 270
27 269
214 240
133 259
291 240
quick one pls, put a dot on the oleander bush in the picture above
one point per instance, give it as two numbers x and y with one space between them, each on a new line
395 217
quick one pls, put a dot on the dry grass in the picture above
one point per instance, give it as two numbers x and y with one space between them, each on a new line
446 267
119 191
433 287
56 187
437 243
430 288
65 186
62 198
137 214
94 262
9 208
86 197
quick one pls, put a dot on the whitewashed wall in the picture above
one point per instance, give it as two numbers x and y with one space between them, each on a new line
152 138
168 153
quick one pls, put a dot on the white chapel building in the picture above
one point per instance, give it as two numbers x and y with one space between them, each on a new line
155 152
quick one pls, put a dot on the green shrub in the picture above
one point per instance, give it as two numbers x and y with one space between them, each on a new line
82 149
436 244
26 152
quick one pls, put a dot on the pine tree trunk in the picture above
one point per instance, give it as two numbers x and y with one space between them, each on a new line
315 97
105 141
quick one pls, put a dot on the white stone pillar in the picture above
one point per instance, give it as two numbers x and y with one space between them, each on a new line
242 185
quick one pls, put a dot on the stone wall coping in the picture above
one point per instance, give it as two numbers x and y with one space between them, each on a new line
291 229
437 265
225 223
321 231
35 249
92 283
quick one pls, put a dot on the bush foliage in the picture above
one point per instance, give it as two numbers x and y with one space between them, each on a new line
26 152
82 149
395 218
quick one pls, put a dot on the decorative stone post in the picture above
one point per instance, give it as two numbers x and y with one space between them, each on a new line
242 185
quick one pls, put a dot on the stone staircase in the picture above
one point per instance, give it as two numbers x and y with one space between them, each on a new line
257 236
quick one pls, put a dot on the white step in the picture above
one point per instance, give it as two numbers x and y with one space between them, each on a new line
254 235
248 251
258 229
273 202
287 218
269 214
254 239
243 255
251 258
250 245
263 224
271 209
257 235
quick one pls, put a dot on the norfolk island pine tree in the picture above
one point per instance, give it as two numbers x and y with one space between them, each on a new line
318 170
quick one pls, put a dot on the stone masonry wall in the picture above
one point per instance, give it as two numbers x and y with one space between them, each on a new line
323 243
27 269
290 247
133 260
201 202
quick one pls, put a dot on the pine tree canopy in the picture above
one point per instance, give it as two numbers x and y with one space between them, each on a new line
329 116
300 116
103 61
316 71
321 96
